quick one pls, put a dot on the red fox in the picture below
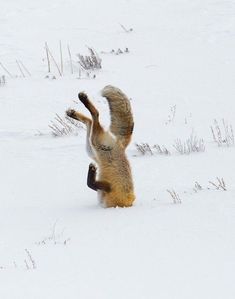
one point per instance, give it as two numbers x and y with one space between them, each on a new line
107 148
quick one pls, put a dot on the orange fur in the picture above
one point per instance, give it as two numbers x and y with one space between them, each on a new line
107 148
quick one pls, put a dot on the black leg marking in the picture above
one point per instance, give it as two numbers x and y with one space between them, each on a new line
71 113
96 185
88 104
83 98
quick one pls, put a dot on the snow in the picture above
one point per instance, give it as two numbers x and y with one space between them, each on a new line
56 241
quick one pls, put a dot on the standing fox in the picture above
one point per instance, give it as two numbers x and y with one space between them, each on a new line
107 148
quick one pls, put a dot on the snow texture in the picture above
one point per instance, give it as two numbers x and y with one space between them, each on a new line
179 71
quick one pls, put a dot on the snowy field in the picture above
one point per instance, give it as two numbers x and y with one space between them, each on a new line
55 240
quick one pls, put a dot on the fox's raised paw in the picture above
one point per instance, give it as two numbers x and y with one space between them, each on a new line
71 112
83 97
92 167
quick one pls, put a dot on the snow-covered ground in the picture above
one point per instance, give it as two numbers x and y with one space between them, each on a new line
55 240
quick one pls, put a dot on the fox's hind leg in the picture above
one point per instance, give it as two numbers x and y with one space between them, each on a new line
98 136
89 105
88 122
96 185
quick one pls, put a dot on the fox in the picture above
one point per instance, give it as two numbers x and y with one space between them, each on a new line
112 177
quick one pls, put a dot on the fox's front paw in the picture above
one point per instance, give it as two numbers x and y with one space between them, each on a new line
83 97
70 113
92 167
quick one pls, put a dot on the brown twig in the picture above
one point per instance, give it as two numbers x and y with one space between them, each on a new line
220 184
48 58
61 59
18 64
175 196
6 70
24 67
53 59
70 59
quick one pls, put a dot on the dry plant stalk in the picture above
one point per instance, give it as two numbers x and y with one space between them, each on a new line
19 66
2 80
31 260
192 144
161 150
24 67
6 70
219 185
175 196
55 237
64 126
172 114
197 187
61 59
222 134
125 29
117 52
90 62
48 58
70 59
49 54
144 148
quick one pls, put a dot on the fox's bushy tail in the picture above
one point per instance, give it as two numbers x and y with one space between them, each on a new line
122 123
